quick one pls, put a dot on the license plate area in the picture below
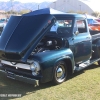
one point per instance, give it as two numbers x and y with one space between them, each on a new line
10 75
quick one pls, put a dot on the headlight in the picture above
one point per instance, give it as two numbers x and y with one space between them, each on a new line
35 67
32 67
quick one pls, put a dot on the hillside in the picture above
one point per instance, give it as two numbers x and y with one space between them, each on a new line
18 6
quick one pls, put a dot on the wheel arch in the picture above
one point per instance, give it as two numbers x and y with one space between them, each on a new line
69 66
96 48
69 63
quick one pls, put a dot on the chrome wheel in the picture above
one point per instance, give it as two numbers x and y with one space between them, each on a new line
60 72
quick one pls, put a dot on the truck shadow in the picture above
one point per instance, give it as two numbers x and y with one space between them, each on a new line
9 86
11 89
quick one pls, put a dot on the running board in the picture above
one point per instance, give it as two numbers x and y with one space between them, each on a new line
85 64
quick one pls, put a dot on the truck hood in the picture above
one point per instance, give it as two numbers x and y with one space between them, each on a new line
22 34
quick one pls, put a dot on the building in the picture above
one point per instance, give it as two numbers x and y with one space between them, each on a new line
86 6
2 11
2 14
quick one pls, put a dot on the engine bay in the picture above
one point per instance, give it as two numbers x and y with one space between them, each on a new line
47 44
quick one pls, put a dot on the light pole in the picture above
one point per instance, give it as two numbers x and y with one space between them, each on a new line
54 4
80 8
11 6
38 7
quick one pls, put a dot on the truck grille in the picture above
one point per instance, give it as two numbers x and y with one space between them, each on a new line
19 71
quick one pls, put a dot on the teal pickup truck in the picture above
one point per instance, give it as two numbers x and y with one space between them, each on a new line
47 45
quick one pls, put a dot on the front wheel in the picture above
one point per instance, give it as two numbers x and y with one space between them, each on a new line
98 62
60 73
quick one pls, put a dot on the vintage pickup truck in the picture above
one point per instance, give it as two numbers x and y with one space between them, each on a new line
47 45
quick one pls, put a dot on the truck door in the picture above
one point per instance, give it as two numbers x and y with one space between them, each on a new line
82 41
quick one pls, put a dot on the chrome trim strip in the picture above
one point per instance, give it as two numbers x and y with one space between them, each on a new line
18 65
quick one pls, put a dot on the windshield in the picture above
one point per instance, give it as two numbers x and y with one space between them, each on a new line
62 27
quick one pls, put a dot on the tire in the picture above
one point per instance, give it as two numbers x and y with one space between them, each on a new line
98 62
60 73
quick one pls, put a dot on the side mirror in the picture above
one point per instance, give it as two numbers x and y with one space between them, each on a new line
76 33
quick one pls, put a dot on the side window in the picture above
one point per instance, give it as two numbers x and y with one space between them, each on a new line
81 26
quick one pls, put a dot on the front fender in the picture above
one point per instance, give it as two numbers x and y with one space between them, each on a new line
48 60
67 57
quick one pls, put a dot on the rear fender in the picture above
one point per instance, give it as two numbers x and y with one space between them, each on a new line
96 49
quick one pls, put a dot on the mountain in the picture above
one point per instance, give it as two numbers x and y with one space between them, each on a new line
18 6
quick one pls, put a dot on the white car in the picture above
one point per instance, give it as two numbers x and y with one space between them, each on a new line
2 26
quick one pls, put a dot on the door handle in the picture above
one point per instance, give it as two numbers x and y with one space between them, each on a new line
87 37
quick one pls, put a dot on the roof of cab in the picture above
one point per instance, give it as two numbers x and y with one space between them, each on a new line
52 12
70 15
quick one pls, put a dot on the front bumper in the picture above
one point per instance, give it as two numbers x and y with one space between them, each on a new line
19 77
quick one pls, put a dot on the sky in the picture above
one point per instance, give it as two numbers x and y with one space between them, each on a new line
24 1
95 4
38 1
92 3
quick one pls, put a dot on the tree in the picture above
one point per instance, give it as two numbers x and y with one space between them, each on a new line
71 11
96 14
79 12
24 11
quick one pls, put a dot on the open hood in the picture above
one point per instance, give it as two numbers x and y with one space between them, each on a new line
22 34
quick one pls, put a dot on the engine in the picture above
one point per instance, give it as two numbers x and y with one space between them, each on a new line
47 44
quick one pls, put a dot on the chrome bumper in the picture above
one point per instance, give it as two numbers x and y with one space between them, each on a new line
20 78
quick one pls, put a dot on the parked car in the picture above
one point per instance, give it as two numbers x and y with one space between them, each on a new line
93 23
42 46
98 19
3 23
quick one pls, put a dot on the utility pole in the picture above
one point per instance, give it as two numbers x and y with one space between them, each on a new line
11 6
38 7
80 8
54 4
